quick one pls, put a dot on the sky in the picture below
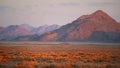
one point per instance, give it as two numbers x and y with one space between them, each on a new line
61 12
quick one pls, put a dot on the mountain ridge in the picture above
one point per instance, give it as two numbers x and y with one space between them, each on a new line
83 27
13 31
95 27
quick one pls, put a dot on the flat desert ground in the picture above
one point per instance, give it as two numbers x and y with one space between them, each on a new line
60 55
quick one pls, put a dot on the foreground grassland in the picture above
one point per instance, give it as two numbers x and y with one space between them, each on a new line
59 56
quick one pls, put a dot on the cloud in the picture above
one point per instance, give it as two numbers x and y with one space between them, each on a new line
104 3
4 8
64 4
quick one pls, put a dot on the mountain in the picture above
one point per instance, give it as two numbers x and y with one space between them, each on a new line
96 27
41 29
26 38
37 32
46 28
14 31
28 27
1 28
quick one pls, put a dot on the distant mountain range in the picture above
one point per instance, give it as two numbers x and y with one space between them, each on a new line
96 27
14 31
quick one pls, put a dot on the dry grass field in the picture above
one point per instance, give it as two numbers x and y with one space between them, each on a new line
59 56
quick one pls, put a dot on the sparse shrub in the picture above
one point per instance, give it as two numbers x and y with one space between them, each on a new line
75 66
25 64
98 60
60 59
111 66
1 58
80 53
3 66
86 66
50 66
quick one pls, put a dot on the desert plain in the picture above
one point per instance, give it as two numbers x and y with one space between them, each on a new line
58 55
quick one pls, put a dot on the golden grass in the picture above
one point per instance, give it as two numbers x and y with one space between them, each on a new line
59 56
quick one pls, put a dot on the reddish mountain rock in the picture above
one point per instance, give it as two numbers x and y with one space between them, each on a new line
97 26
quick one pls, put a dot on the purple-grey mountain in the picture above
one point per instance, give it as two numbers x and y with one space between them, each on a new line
14 31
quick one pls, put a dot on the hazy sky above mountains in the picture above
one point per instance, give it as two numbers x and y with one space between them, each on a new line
41 12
